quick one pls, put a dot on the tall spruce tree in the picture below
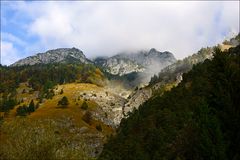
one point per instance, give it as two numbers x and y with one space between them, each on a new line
31 107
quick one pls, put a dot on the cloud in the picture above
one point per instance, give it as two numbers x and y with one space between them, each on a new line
9 54
106 28
10 37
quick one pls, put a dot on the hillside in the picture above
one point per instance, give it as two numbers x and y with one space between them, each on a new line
30 97
80 104
74 123
127 68
147 63
60 55
171 75
70 120
198 119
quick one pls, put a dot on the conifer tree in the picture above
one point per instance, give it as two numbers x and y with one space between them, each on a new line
63 102
84 105
31 107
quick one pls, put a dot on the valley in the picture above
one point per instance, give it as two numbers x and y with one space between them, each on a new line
99 95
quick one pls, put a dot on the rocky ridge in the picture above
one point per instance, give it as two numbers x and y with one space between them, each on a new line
172 75
144 61
60 55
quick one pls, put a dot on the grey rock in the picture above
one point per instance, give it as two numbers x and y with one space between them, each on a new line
60 55
144 61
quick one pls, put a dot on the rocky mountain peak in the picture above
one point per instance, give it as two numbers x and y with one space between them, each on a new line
60 55
152 50
142 61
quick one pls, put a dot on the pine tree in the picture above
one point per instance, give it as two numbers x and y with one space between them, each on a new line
22 110
31 107
84 105
63 102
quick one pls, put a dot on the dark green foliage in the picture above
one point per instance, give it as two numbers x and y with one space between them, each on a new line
25 110
49 94
42 77
22 110
99 127
6 104
63 102
31 107
84 105
153 80
199 119
48 85
1 120
169 74
129 80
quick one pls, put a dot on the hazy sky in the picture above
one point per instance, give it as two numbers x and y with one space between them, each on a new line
106 28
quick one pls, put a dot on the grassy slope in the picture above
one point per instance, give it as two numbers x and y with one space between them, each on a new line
50 109
70 117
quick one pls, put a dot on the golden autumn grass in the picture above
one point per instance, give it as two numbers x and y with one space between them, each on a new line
50 111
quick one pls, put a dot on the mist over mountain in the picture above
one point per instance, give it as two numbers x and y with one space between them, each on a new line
144 63
151 61
89 100
124 80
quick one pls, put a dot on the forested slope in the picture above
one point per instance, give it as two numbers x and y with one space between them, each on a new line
199 119
42 78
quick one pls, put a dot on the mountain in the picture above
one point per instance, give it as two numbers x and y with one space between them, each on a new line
171 75
101 93
119 65
62 55
72 126
144 61
198 119
168 77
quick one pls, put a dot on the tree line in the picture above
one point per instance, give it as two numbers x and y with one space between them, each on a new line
199 119
43 77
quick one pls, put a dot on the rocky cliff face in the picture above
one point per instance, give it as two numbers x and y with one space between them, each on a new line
150 62
144 61
120 65
61 55
170 75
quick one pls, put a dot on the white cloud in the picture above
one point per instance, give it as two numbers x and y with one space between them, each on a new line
106 28
9 54
10 37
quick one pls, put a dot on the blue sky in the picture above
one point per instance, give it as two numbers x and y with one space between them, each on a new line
107 28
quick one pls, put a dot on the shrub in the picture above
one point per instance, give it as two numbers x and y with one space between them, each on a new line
22 110
84 105
99 127
49 94
63 102
31 107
